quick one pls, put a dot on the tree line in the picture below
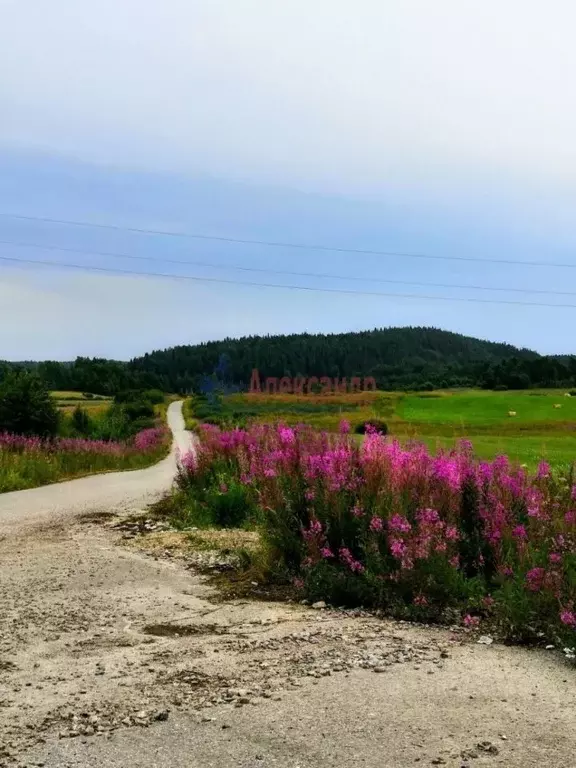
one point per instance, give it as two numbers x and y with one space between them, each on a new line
398 359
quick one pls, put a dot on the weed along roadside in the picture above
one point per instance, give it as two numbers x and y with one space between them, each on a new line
441 538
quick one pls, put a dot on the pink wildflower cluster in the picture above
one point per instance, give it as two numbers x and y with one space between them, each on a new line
398 515
143 442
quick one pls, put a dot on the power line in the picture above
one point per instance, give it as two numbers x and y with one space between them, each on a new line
195 278
355 278
277 244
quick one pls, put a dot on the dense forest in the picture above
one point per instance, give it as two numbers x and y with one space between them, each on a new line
398 358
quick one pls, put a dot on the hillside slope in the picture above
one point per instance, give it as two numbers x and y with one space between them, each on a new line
397 357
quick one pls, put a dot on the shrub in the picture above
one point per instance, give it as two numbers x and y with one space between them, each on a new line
217 500
154 396
423 536
372 426
138 409
81 421
87 395
129 396
26 407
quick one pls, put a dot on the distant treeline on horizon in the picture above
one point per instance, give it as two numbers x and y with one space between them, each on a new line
397 358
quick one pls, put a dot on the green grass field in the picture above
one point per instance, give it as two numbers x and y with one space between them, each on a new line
539 430
67 401
488 408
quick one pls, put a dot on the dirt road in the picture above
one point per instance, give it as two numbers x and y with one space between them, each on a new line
110 657
112 490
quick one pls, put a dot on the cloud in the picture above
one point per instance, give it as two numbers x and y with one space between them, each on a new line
330 93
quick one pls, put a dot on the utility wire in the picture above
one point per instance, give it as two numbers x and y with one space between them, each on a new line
242 268
195 278
276 244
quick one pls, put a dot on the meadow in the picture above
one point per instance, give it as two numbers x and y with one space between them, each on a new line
538 430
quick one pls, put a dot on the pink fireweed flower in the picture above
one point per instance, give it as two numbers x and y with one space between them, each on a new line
570 516
534 504
189 463
357 510
344 427
520 532
348 559
223 488
397 547
420 600
326 553
286 435
313 530
315 526
488 601
428 516
535 579
555 558
269 472
399 524
573 494
543 470
560 541
376 524
471 621
451 533
310 495
568 618
455 561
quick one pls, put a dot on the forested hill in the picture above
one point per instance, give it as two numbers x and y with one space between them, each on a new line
398 358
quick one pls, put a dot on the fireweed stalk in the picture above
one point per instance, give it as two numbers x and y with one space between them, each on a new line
420 535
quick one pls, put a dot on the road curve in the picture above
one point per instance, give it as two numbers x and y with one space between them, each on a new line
114 490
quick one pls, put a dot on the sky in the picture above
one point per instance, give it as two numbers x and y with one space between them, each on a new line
400 126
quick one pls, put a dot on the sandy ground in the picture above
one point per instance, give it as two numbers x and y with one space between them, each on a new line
112 657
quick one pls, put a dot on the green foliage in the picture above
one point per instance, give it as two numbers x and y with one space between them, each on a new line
81 422
26 407
374 425
154 396
128 396
218 500
138 409
406 359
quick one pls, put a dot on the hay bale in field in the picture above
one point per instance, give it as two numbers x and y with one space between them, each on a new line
567 394
557 405
511 413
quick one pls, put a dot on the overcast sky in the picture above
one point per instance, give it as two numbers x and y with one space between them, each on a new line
442 127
